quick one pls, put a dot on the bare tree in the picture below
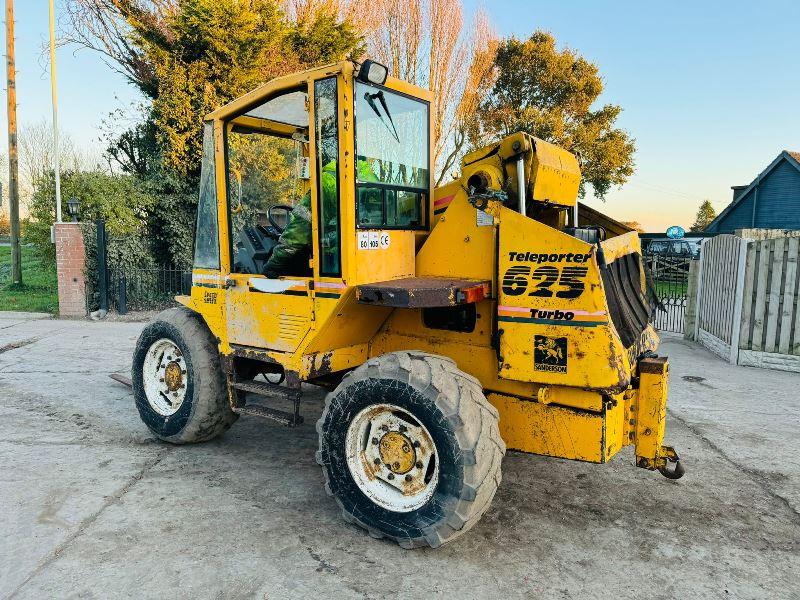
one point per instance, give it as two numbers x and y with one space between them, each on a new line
479 80
103 26
426 43
347 10
36 154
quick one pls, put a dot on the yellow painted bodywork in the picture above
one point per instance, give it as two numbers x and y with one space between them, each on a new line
315 327
552 173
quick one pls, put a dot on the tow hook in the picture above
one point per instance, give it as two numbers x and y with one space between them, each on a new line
675 473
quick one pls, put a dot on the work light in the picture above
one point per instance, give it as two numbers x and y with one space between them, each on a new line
372 72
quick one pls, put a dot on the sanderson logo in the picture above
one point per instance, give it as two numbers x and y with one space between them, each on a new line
550 354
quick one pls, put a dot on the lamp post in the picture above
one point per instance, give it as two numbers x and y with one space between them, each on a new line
56 165
73 206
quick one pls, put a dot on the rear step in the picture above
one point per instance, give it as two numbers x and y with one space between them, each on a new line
270 390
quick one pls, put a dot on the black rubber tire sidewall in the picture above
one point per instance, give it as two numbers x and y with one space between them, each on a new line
172 425
360 395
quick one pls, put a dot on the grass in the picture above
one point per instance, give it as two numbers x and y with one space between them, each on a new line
670 288
39 289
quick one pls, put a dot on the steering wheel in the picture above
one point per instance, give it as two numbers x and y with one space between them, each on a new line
284 207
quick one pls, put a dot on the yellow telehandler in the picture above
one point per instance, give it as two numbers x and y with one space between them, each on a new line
449 324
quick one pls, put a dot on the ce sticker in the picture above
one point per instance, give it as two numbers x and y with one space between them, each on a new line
385 240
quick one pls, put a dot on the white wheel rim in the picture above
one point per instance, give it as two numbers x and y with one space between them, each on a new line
164 377
392 457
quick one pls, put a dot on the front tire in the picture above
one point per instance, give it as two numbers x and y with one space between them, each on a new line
178 383
410 448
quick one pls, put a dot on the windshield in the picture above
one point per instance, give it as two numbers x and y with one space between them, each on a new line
287 108
391 138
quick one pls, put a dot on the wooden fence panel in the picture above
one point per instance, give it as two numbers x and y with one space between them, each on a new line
762 278
749 301
774 298
770 334
789 297
748 297
795 344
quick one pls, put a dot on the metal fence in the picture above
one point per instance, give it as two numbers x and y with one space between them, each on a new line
119 279
669 276
146 289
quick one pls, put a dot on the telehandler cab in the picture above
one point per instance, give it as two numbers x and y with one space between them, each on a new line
449 323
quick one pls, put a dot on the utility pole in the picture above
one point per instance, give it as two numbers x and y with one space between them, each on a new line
56 158
13 157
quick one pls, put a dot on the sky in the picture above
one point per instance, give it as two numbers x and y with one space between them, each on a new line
710 89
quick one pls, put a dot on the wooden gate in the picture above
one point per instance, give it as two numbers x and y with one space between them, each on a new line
720 284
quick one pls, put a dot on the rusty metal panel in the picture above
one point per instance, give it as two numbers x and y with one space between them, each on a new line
650 410
423 292
550 430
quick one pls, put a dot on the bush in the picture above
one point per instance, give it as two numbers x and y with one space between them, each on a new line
131 253
121 200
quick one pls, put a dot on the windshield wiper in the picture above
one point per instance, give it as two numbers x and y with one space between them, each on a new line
370 98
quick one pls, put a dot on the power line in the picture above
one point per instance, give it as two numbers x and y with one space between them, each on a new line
664 190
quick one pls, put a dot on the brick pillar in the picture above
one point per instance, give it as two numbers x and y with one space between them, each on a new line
70 259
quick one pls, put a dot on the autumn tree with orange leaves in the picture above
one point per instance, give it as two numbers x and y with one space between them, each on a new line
428 43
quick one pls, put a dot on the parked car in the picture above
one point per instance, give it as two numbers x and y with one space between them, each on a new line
667 247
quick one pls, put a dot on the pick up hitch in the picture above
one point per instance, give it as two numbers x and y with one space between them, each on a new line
672 457
649 415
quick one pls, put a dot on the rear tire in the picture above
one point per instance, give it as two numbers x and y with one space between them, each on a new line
178 383
420 401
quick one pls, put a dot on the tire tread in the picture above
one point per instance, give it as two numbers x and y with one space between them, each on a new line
459 396
212 414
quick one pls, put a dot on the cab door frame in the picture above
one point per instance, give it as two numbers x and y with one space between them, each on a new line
274 314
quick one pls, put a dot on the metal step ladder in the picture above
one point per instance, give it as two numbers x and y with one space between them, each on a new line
265 389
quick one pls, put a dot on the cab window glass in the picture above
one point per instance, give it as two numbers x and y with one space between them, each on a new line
327 142
370 206
266 146
206 249
389 207
392 151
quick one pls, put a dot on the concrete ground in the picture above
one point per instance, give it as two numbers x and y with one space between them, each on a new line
94 507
